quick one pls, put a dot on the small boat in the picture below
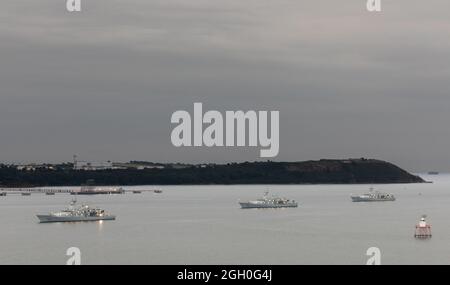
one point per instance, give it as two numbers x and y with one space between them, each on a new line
158 191
433 173
49 193
75 213
26 193
423 230
269 202
2 194
137 192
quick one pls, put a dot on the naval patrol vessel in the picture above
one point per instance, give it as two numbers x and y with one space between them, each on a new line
269 202
75 213
373 196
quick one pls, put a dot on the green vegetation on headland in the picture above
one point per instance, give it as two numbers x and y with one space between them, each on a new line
346 171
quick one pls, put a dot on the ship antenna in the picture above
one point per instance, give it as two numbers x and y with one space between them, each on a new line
74 200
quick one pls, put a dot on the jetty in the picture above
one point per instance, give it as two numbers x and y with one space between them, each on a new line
81 191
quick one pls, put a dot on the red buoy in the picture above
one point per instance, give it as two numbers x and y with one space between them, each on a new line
423 230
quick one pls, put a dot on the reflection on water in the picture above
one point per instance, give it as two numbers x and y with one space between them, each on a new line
100 225
205 225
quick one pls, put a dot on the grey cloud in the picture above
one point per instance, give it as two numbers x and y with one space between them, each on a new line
103 83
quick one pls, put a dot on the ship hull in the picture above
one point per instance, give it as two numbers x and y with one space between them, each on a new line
55 219
247 205
360 199
96 193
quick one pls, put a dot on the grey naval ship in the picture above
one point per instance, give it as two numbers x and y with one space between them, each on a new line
373 196
269 202
75 213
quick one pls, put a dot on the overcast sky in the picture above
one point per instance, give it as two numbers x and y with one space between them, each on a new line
103 83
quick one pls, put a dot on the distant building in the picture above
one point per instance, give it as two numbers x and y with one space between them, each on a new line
143 167
33 167
88 165
26 167
179 166
84 165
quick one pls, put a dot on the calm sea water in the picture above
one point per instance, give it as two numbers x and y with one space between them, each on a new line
204 225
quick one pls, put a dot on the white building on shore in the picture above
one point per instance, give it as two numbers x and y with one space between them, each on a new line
88 165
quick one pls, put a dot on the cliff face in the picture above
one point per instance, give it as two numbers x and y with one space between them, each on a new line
351 171
367 171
